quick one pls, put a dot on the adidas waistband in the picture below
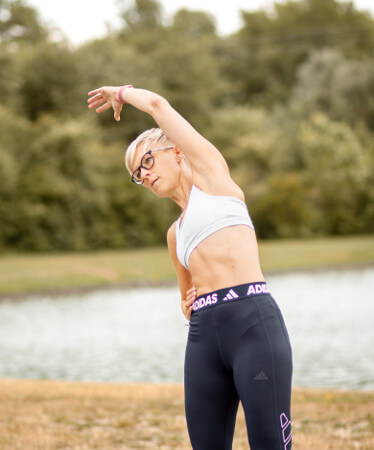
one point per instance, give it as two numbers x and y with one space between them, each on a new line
229 294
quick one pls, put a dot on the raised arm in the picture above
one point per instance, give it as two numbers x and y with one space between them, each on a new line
203 156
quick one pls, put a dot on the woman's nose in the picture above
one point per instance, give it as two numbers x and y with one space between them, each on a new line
145 173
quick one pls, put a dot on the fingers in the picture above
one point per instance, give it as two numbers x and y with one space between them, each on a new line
189 313
117 112
103 108
96 100
95 97
187 310
189 300
95 104
94 92
191 291
102 99
187 303
105 92
191 296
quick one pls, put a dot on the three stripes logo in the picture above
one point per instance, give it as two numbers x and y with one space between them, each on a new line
286 431
230 295
261 376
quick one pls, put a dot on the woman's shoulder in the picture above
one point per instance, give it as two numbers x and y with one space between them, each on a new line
170 235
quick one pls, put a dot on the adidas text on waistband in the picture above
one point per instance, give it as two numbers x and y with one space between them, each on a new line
230 294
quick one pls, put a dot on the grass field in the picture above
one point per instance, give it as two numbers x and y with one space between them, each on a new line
25 273
37 415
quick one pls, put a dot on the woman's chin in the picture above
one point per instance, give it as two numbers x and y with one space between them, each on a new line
160 189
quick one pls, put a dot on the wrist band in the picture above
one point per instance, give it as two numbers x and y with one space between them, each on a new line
120 98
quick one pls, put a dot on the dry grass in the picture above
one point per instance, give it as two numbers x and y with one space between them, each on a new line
61 415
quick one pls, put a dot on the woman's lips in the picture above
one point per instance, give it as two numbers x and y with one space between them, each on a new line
153 182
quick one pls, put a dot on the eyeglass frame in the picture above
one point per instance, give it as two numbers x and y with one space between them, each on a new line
141 166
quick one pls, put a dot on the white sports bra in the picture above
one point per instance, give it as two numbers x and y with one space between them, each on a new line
205 214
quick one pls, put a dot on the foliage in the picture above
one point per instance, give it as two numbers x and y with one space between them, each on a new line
288 99
342 88
20 23
262 58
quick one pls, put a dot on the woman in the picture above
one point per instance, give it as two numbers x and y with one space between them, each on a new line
238 346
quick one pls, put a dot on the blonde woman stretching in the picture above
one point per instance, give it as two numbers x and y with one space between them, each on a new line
238 346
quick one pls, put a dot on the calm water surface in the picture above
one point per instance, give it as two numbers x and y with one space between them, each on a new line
140 334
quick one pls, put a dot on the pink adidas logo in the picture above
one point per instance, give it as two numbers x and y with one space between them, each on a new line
259 288
226 295
230 295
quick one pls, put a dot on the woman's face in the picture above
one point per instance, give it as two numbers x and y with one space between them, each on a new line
164 168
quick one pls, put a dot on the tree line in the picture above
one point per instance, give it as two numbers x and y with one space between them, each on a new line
288 99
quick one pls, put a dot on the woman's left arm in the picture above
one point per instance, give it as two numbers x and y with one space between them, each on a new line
186 287
203 155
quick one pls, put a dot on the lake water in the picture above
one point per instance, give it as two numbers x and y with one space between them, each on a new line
140 334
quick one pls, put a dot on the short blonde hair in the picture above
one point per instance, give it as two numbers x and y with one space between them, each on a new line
147 138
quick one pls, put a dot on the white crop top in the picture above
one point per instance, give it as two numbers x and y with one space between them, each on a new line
205 214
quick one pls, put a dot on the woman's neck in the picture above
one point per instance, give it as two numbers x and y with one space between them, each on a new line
181 194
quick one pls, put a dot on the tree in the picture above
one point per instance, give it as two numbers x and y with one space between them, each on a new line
20 23
261 59
288 100
341 88
50 73
193 24
336 174
142 15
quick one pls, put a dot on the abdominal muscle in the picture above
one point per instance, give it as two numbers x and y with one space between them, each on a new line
228 257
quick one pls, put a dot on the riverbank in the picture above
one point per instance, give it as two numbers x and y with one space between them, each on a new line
22 274
56 414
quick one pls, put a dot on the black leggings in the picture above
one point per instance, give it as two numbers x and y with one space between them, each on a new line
238 349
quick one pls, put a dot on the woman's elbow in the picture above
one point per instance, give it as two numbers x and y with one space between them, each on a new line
158 104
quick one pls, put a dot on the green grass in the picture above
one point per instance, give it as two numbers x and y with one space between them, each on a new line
25 273
283 255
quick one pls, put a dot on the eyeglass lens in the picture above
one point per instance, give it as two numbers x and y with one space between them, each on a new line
146 162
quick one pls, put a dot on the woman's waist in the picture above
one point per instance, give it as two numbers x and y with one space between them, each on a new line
208 282
210 273
229 294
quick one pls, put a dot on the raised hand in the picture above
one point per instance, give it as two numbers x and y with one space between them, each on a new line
104 98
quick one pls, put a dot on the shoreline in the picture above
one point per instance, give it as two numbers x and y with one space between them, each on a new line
168 282
24 275
151 384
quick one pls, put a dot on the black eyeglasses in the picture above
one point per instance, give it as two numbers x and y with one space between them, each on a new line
147 163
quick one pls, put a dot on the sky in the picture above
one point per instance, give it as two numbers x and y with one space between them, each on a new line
83 20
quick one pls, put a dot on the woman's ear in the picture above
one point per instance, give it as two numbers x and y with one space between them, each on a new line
178 154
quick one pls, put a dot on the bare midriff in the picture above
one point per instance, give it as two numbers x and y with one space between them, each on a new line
228 257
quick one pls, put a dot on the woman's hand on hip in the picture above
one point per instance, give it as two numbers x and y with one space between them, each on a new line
104 98
186 303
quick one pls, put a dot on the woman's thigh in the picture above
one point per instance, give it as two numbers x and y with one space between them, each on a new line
263 376
211 400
